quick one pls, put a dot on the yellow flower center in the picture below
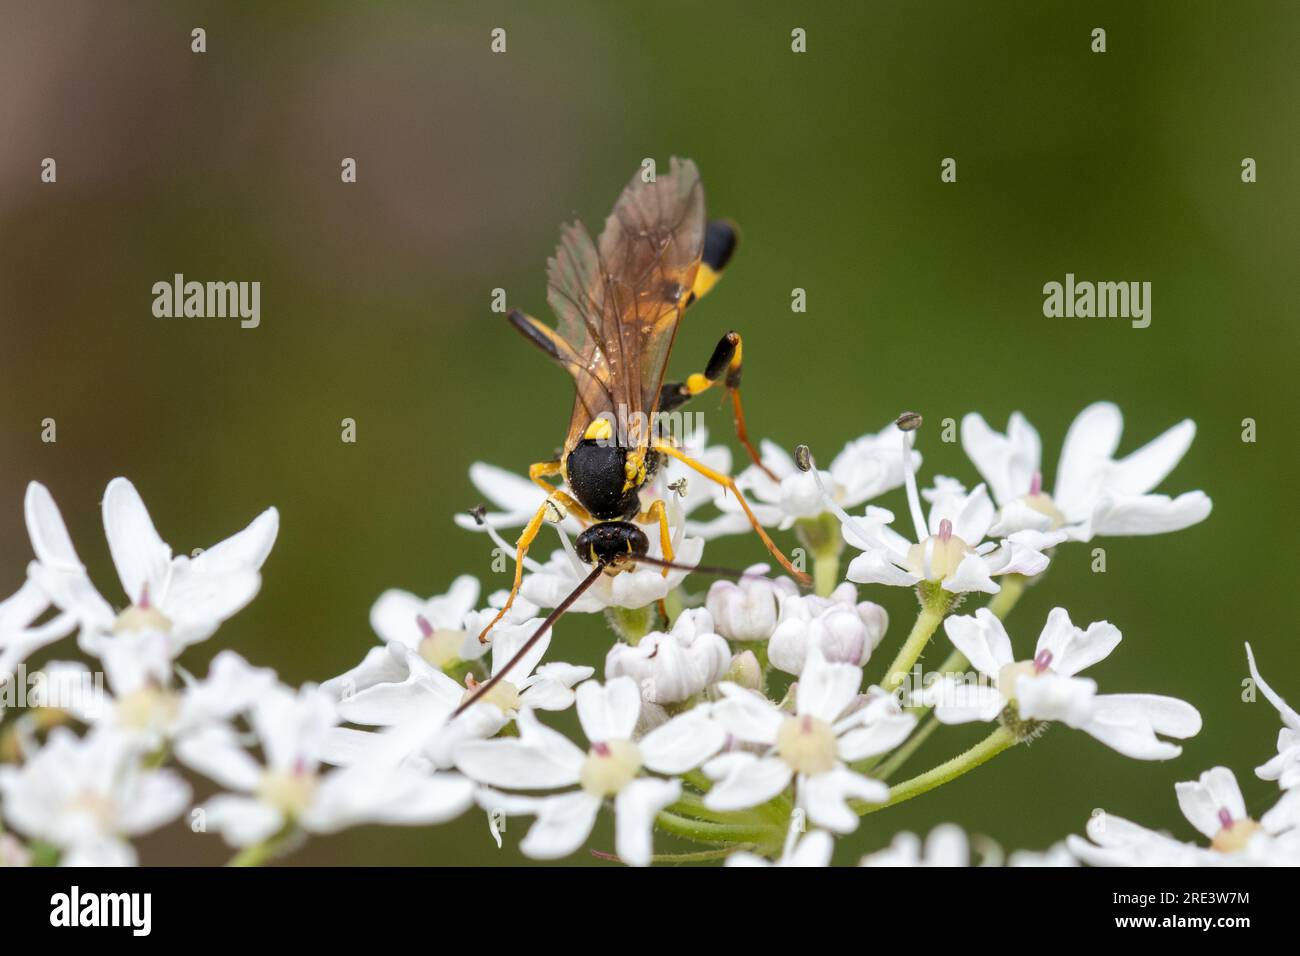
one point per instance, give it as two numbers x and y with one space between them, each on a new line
1044 505
1234 837
288 791
441 648
504 694
807 744
937 557
138 618
610 766
147 707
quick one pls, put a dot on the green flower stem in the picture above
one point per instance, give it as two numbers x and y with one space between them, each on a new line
935 603
702 856
701 831
632 624
950 770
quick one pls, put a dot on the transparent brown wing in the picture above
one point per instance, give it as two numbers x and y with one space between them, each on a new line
618 303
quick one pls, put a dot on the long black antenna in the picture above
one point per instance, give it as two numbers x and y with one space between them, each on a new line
545 626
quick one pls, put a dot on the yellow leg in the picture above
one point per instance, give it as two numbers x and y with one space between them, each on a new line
521 550
730 484
539 471
657 512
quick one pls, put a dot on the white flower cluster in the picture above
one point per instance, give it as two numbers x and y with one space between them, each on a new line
741 720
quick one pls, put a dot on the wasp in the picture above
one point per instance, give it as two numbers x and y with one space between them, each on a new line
618 303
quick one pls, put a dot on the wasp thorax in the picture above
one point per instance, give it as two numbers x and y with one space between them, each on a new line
938 556
807 744
610 766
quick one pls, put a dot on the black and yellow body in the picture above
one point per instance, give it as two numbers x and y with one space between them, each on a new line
618 303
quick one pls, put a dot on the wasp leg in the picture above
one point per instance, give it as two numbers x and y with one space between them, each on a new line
657 512
538 471
554 504
726 365
730 484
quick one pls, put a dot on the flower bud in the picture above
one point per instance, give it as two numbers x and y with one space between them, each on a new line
844 632
671 668
748 609
746 671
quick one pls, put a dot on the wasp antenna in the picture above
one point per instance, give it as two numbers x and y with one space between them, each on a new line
545 626
693 568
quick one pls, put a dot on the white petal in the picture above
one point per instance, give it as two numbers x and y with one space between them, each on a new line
539 758
1128 723
1285 710
1006 462
609 712
1149 514
215 752
248 549
878 737
825 690
747 715
982 640
1140 471
957 701
875 567
1089 445
142 558
1050 696
563 824
825 797
1072 648
683 743
972 574
635 809
243 821
744 780
1201 800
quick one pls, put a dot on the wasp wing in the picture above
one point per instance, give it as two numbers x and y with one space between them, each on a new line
618 303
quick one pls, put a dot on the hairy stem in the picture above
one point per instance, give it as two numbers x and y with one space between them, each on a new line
935 604
949 770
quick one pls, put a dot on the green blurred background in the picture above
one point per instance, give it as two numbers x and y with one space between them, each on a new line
921 295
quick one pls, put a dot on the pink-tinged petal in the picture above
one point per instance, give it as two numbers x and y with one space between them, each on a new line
982 640
1140 471
1149 514
683 743
1089 446
826 795
635 809
1202 800
142 558
744 780
1073 649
